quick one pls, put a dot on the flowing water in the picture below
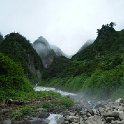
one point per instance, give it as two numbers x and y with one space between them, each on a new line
40 88
53 118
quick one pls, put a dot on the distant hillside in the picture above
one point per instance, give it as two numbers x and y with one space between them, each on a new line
57 50
46 51
57 68
1 38
21 51
85 45
107 41
96 70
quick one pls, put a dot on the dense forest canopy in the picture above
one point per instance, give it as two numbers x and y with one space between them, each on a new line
12 78
97 69
20 50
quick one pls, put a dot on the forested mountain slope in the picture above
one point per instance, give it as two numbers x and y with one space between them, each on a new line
12 79
98 69
21 51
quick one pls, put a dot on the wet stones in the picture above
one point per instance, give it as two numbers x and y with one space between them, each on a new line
44 115
10 102
94 120
108 113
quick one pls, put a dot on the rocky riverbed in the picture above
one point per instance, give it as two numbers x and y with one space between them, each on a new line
83 112
102 113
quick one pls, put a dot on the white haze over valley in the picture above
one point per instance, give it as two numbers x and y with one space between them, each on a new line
67 24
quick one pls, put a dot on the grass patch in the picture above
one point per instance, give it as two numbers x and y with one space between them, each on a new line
21 112
50 102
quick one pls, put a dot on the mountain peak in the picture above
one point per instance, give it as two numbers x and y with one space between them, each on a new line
46 51
41 40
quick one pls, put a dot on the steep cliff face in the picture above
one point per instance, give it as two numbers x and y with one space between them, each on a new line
46 51
43 49
21 51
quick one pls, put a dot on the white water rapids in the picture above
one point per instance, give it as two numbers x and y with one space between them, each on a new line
54 117
63 93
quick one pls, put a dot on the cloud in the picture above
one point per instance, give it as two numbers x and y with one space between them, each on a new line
65 23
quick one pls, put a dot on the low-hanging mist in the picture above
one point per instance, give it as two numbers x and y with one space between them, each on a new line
64 23
46 51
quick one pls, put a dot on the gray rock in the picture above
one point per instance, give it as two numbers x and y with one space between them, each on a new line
73 118
44 115
94 120
37 121
118 100
66 122
3 111
60 120
99 106
33 120
121 115
111 114
19 122
40 109
6 122
109 119
117 122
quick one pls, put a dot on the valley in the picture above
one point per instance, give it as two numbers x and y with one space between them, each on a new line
41 84
83 111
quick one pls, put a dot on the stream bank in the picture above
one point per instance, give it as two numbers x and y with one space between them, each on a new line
83 112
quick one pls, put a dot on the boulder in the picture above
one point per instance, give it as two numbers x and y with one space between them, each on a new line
121 115
4 111
73 119
117 122
44 115
99 106
109 119
10 102
94 120
60 120
118 100
36 121
8 121
111 114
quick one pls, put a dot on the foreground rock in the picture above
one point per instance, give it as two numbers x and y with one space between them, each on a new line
103 113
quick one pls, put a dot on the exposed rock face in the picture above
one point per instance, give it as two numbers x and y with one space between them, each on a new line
46 51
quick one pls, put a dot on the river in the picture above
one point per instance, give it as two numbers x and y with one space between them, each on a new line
54 117
63 93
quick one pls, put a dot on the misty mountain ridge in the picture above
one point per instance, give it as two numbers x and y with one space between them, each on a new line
46 51
85 45
96 69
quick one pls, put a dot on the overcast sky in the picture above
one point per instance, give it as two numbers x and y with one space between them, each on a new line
65 23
